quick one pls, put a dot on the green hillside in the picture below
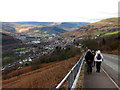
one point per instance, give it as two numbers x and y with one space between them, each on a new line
102 27
109 21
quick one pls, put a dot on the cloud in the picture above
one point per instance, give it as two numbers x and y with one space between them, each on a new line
57 10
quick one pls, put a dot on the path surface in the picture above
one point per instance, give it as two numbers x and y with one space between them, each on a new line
97 80
102 80
111 61
111 66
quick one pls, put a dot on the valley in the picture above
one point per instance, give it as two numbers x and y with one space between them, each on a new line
32 48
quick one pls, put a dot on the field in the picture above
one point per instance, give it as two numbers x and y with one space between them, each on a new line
19 49
111 33
51 72
6 57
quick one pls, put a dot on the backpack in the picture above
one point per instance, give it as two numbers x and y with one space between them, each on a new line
99 57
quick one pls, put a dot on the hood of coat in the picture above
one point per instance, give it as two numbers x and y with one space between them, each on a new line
98 52
95 59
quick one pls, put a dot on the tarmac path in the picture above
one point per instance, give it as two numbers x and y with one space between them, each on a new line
104 79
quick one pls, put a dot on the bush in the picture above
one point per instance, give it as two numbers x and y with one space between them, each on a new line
107 43
59 55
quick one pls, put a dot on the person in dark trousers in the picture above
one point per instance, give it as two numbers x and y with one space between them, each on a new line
98 59
89 58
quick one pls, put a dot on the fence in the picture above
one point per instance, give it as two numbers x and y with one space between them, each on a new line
73 74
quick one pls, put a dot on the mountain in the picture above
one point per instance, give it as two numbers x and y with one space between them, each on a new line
30 27
71 25
35 23
104 27
48 29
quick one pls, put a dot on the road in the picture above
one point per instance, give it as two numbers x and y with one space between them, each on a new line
107 78
111 66
111 61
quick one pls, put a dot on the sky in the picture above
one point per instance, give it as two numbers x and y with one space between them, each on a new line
57 10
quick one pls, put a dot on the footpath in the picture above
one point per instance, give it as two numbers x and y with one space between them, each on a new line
96 81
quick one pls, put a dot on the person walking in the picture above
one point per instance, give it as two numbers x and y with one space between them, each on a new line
98 59
89 60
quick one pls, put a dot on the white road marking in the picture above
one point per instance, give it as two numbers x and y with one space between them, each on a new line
111 79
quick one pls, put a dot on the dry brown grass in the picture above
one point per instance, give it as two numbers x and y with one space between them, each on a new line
46 77
26 69
116 52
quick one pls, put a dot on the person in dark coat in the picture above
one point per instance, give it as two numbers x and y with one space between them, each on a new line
89 58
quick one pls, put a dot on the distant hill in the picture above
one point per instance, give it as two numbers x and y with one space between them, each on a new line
103 27
48 29
8 27
71 25
30 27
35 23
64 25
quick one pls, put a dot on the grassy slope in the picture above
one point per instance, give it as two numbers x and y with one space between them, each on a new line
100 27
111 33
42 77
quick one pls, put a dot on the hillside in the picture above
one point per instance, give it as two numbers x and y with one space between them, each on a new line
98 28
8 27
108 44
48 29
35 23
40 78
7 40
8 44
70 26
21 28
31 27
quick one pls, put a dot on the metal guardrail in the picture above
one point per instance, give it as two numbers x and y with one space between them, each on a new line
73 74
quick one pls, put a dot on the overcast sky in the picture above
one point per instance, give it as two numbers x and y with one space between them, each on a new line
57 10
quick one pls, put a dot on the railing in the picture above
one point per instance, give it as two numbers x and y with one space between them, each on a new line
73 75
